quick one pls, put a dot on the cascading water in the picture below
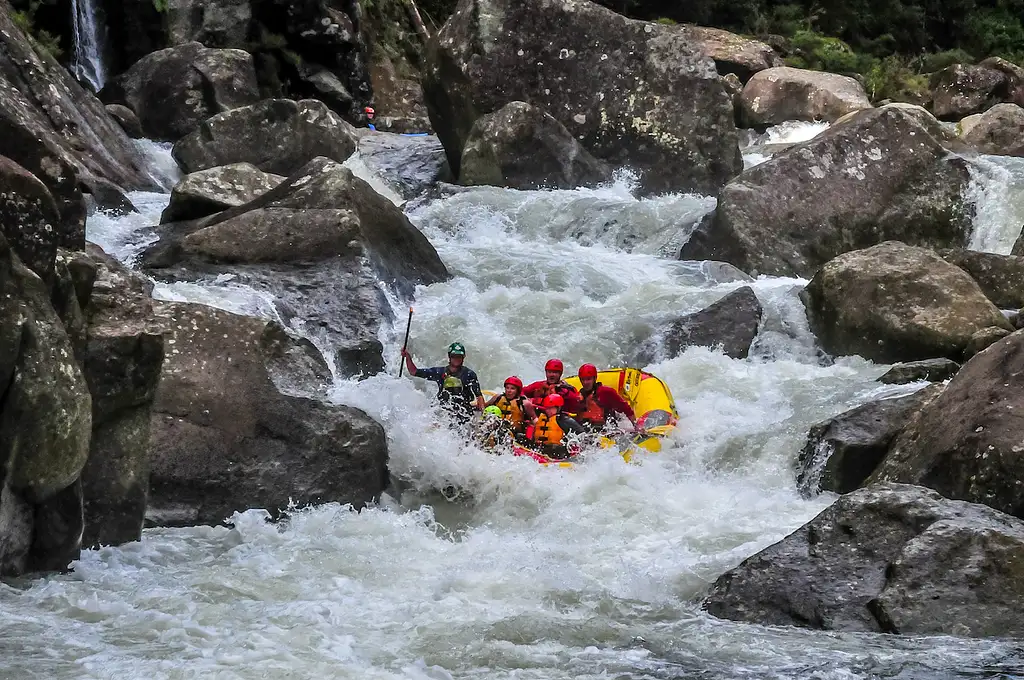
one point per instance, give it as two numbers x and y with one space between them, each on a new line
89 32
529 573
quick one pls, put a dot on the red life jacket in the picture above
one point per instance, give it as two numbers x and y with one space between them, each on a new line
591 410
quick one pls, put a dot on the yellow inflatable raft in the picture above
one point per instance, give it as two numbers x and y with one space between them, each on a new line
652 402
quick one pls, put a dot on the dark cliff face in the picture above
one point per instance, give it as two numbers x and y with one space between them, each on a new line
302 49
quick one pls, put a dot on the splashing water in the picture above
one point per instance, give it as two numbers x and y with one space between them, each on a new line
758 148
528 573
996 192
89 35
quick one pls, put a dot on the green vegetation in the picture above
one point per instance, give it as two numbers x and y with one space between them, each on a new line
890 45
42 39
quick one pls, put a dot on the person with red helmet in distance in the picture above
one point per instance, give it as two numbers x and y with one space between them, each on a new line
547 434
369 113
597 402
516 410
553 384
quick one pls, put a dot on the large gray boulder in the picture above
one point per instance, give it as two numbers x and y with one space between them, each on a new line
409 165
779 94
894 302
844 450
175 89
931 370
1001 277
206 192
278 136
29 218
58 131
122 365
729 324
967 443
998 131
298 46
733 54
322 242
634 94
961 90
235 427
878 175
45 421
127 119
1013 92
887 558
521 147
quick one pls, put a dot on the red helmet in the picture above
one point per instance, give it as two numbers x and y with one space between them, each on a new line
369 111
588 371
514 380
554 365
553 400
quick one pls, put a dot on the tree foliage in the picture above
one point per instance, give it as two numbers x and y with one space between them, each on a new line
879 27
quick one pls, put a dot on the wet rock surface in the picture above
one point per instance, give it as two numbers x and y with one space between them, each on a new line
967 443
878 175
321 242
895 302
932 370
58 131
780 94
730 324
278 136
522 147
207 192
632 93
122 365
887 558
410 165
843 451
175 89
236 424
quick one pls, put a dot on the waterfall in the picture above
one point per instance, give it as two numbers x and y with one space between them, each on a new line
87 59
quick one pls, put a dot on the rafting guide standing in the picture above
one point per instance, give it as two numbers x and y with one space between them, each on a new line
458 390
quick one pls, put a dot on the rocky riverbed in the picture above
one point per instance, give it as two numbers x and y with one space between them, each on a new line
211 468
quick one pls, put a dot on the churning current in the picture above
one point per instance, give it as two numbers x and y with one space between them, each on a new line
515 571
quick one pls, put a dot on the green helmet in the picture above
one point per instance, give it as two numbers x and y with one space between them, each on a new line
493 410
457 349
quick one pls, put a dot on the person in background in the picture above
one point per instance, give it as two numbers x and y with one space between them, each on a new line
548 432
458 388
553 384
597 402
370 113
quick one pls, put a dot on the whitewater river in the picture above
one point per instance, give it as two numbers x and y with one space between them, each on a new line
529 573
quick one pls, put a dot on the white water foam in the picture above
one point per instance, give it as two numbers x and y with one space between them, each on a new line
529 573
996 192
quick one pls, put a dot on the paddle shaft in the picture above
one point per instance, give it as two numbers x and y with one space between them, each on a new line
405 345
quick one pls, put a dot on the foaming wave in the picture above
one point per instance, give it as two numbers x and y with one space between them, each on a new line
607 216
160 165
996 192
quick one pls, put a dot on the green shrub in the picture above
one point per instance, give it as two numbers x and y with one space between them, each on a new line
41 39
896 78
930 63
822 53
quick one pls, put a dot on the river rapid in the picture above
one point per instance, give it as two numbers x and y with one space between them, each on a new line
519 571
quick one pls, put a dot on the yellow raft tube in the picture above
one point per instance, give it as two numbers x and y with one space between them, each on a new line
652 404
651 401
